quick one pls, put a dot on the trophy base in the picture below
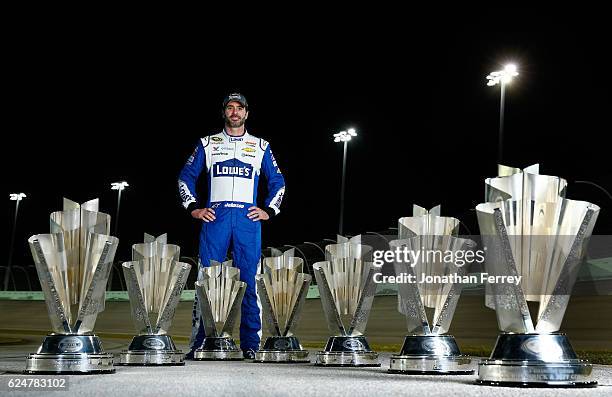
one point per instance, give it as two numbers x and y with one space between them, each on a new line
347 351
218 349
282 349
151 350
70 354
534 360
430 355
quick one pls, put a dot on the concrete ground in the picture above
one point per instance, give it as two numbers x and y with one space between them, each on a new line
251 379
24 324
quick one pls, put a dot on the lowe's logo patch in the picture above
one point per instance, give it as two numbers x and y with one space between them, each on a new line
233 168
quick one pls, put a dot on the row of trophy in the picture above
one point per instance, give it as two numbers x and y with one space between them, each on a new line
73 263
528 229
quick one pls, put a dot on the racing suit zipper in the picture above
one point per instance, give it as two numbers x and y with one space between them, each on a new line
234 177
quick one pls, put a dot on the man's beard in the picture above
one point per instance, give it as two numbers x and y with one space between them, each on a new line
234 124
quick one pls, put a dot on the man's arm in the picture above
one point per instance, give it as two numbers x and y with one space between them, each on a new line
276 183
189 176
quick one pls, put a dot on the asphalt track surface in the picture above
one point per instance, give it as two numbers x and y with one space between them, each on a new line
24 324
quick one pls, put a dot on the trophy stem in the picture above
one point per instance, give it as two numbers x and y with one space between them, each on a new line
347 351
149 350
70 354
534 360
218 349
282 349
430 355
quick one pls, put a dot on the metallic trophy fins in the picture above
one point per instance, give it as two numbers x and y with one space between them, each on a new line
282 290
232 308
451 292
155 280
509 299
102 251
364 304
409 298
346 287
266 307
426 348
330 309
529 229
302 285
220 294
172 298
554 301
48 275
73 264
137 303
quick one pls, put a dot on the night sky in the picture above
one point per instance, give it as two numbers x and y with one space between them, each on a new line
85 113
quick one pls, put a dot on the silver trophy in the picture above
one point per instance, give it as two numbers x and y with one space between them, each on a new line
220 293
73 264
155 280
426 348
530 230
282 289
346 285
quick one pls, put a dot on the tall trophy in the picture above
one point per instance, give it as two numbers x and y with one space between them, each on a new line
282 290
155 280
346 285
427 349
531 231
220 293
73 263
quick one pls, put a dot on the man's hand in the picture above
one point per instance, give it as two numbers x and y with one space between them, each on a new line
257 214
205 214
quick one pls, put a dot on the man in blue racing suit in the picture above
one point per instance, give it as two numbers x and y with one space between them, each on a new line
233 160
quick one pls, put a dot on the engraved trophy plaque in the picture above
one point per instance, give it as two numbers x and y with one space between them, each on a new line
282 290
346 285
155 280
530 230
220 293
427 349
73 263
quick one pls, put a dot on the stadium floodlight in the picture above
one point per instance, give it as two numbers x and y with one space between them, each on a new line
16 197
119 187
502 77
343 136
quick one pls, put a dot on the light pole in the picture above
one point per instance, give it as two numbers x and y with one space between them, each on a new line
16 197
502 77
343 136
118 186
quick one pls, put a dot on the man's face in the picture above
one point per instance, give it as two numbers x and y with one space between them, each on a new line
235 114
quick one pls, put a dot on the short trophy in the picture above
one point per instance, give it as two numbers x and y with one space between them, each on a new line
282 290
155 280
220 293
73 263
531 231
346 285
427 349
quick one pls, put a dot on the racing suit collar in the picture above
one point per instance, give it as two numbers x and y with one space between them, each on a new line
236 137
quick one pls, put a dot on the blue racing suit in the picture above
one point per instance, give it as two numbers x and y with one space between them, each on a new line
233 166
